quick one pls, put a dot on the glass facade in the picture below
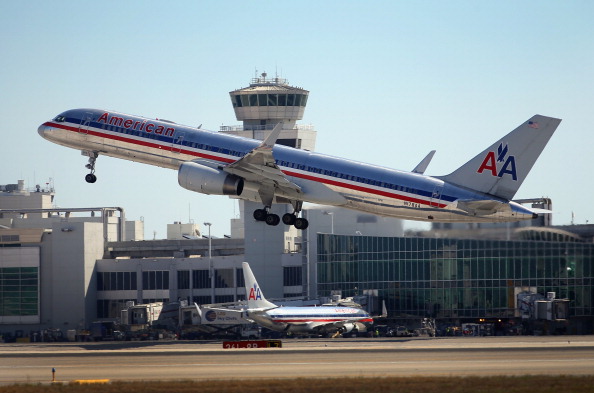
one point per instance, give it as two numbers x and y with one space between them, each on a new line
19 291
454 278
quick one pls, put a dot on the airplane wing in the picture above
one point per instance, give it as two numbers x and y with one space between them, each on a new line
333 325
259 167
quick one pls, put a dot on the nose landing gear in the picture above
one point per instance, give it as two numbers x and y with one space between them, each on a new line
91 178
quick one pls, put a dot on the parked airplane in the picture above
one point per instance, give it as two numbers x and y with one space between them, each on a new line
299 320
215 163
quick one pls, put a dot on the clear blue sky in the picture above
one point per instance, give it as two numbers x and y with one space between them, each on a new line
388 80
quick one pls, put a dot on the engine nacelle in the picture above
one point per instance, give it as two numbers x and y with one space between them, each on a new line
347 328
206 180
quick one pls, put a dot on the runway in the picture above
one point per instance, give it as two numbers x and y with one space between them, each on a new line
299 358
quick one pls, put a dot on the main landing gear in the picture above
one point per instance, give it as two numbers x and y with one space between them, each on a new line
274 219
91 178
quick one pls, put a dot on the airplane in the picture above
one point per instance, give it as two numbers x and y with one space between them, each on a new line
265 172
299 320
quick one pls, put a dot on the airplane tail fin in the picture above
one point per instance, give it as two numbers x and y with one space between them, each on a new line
501 168
255 297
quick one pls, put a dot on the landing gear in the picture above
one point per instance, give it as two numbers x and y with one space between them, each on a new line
289 219
260 214
274 219
269 218
297 222
91 178
301 223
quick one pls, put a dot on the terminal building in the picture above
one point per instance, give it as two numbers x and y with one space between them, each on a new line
65 268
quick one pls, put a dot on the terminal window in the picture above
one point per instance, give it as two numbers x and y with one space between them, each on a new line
200 279
155 279
183 279
116 281
224 278
19 291
292 276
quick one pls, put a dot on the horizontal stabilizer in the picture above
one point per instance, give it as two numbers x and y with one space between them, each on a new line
482 208
539 211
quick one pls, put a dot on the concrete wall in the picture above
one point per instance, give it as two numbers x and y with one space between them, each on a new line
76 247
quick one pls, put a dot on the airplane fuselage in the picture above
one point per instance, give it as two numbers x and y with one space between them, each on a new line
321 178
302 320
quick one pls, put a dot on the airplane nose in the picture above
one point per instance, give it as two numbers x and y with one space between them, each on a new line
41 130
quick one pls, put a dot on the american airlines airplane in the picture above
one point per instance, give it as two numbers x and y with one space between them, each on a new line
265 172
299 320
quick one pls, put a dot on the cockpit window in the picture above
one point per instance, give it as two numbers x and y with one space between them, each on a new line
60 118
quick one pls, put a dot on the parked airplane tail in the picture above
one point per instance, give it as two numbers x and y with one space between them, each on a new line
501 168
255 297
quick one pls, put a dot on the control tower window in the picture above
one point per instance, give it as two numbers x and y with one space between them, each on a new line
304 100
247 100
262 100
272 100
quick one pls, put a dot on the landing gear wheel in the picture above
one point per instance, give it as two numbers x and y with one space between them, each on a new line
301 223
90 178
272 219
289 219
260 214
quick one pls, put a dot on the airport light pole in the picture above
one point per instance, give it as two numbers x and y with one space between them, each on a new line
331 214
210 267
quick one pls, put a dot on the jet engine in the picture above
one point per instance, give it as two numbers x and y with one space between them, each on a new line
207 180
347 327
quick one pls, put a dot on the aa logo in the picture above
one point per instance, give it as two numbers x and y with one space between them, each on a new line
255 293
500 165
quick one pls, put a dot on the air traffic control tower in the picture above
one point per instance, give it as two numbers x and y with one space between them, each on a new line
265 103
261 106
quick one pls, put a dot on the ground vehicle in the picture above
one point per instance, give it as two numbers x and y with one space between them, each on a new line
402 331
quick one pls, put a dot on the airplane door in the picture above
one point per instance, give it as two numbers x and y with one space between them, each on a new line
85 123
436 196
178 142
